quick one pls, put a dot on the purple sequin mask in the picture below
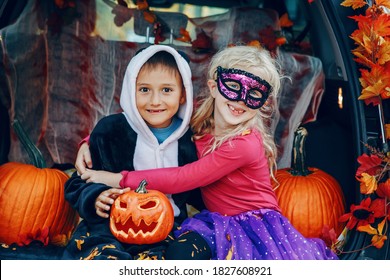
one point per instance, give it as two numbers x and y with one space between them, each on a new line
239 85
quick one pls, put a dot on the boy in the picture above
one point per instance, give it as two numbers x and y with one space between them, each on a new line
153 131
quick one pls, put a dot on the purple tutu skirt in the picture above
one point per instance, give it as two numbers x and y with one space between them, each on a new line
255 235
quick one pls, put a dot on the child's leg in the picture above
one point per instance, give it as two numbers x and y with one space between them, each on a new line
189 246
95 242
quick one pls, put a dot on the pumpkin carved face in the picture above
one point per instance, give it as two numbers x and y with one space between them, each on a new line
141 217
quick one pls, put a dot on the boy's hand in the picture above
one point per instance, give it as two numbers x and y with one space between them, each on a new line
104 201
83 159
99 176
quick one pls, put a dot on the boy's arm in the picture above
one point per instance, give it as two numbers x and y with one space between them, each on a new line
81 196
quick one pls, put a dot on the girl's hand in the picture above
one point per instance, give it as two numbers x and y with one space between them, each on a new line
83 159
104 201
99 176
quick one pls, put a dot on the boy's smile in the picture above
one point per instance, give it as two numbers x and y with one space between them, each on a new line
159 95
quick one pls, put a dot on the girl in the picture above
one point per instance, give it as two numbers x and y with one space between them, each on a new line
236 164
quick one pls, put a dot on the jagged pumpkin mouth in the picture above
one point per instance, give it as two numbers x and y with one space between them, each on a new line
136 226
141 227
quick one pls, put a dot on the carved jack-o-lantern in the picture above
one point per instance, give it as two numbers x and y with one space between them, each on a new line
141 216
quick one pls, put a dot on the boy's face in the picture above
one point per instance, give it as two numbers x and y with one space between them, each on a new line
159 94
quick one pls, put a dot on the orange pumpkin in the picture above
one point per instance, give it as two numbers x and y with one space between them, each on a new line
33 205
309 197
141 216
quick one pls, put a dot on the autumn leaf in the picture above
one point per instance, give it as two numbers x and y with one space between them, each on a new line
378 206
329 236
255 43
185 36
368 184
158 33
142 5
384 3
202 43
368 164
149 16
378 238
285 21
383 53
375 82
387 129
384 189
355 4
381 24
79 242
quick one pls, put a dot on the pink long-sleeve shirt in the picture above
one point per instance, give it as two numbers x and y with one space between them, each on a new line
233 179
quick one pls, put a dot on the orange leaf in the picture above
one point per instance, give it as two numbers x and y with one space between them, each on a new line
285 21
378 241
383 54
142 5
355 4
375 82
79 242
185 36
368 229
368 184
384 3
149 16
387 129
381 225
381 25
255 43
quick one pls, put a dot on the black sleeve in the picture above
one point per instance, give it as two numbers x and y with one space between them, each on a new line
82 196
111 149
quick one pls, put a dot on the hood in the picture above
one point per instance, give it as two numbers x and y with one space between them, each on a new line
128 102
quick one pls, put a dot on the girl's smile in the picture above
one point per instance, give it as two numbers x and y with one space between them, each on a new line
236 111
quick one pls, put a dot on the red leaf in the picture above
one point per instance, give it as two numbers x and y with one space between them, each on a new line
383 189
202 43
329 236
368 164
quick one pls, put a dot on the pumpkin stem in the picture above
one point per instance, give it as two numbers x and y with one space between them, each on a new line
35 155
298 165
142 187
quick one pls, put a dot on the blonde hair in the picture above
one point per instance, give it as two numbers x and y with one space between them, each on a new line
242 57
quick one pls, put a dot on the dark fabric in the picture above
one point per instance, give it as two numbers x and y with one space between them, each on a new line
112 145
34 251
94 241
188 246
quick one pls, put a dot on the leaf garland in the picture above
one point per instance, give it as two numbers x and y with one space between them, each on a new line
372 53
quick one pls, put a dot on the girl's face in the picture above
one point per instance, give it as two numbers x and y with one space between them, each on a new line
228 113
159 95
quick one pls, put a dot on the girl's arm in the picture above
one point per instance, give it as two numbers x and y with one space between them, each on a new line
83 159
206 170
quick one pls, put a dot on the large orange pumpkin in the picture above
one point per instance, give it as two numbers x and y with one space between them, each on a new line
309 197
33 206
141 217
